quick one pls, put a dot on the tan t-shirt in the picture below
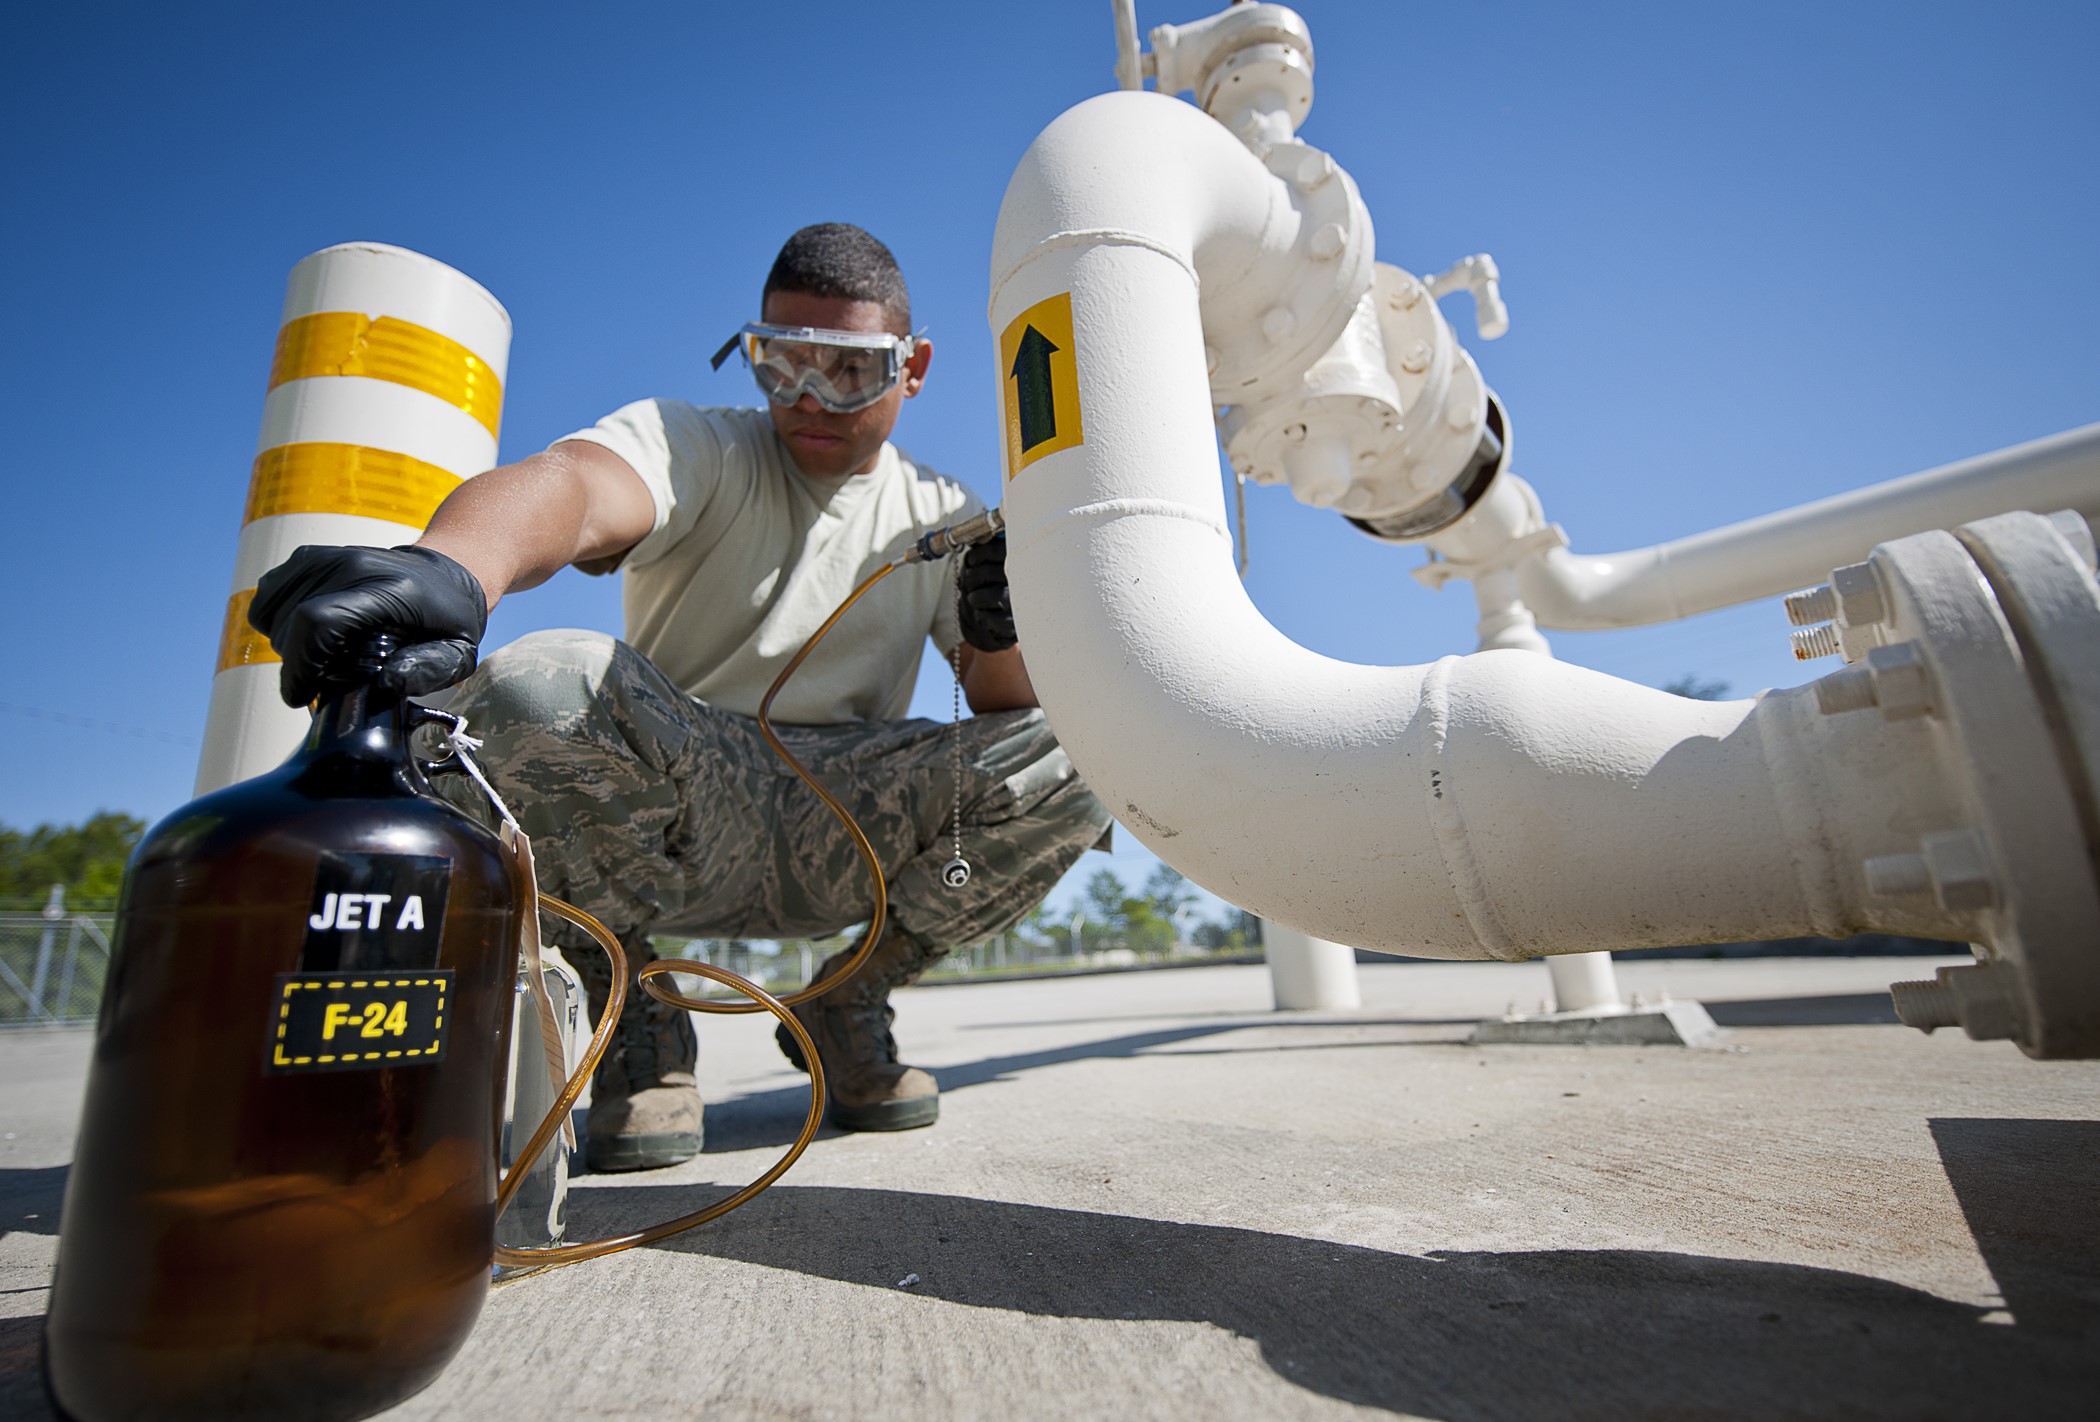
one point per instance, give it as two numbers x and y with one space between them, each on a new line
749 556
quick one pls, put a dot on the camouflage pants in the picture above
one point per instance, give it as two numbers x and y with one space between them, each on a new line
661 814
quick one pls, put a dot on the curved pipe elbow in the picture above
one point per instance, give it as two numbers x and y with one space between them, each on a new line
1085 183
1578 592
1498 805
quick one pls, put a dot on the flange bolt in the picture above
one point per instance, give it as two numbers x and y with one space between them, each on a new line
1813 642
1925 1005
1858 592
1849 690
1902 680
1811 605
1954 868
1896 876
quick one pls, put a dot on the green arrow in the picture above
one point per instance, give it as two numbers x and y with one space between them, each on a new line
1038 402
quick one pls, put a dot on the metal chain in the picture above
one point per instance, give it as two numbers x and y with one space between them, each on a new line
956 872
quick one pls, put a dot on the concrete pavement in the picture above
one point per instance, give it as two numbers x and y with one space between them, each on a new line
1151 1197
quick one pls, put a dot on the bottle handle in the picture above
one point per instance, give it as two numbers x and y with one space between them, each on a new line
449 763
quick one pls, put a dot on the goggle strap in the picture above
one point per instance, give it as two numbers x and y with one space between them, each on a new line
727 347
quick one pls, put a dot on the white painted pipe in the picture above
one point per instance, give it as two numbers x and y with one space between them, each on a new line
1779 552
1309 974
1501 805
1582 981
386 392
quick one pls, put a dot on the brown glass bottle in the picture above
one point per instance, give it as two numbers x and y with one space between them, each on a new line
281 1199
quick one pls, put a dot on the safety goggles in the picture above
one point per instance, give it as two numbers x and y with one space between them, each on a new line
844 370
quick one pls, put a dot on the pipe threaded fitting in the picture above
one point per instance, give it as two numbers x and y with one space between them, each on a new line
1812 605
1925 1005
1895 876
1813 642
1852 689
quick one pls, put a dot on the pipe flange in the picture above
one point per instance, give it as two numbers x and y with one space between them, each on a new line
1244 56
2049 598
1443 398
1269 327
2027 892
1340 419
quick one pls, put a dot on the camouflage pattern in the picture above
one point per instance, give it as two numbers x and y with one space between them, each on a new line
661 814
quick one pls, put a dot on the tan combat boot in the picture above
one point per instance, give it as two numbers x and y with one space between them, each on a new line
645 1110
870 1089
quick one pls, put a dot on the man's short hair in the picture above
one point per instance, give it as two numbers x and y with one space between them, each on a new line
837 259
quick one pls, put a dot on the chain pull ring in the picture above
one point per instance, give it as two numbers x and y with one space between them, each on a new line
956 872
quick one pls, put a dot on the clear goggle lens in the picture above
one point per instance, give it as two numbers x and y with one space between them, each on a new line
844 370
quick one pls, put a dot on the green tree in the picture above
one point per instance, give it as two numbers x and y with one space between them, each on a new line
1107 901
1234 933
1169 892
1039 930
1145 931
87 858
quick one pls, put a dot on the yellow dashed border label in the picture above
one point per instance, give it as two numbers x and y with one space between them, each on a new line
345 1021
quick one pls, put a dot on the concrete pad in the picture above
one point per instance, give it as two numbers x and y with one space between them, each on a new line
1151 1197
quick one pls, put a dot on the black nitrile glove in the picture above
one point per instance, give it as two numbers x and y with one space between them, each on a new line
321 606
986 606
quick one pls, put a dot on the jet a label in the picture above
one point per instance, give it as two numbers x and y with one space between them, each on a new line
375 912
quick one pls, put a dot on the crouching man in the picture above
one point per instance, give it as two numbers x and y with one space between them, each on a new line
637 766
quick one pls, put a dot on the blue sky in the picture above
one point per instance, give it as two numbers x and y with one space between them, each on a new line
1753 255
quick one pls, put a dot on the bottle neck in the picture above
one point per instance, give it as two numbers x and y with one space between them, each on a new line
364 722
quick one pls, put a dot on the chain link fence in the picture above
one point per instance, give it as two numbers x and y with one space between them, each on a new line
52 965
52 968
785 967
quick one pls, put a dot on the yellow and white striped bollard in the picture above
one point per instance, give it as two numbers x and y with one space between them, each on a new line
385 393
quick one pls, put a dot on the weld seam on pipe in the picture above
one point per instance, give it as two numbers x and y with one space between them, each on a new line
1143 509
1091 237
1448 821
1794 802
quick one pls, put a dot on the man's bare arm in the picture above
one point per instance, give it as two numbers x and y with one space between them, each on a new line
995 681
515 527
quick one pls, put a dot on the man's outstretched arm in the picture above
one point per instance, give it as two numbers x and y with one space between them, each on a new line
515 527
510 528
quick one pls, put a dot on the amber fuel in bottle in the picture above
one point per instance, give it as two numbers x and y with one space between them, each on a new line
281 1202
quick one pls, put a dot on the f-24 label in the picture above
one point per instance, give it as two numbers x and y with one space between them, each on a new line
350 1022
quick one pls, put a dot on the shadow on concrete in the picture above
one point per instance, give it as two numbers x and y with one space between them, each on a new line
22 1395
1232 1021
1861 1009
1549 1334
772 1118
2031 1193
29 1199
